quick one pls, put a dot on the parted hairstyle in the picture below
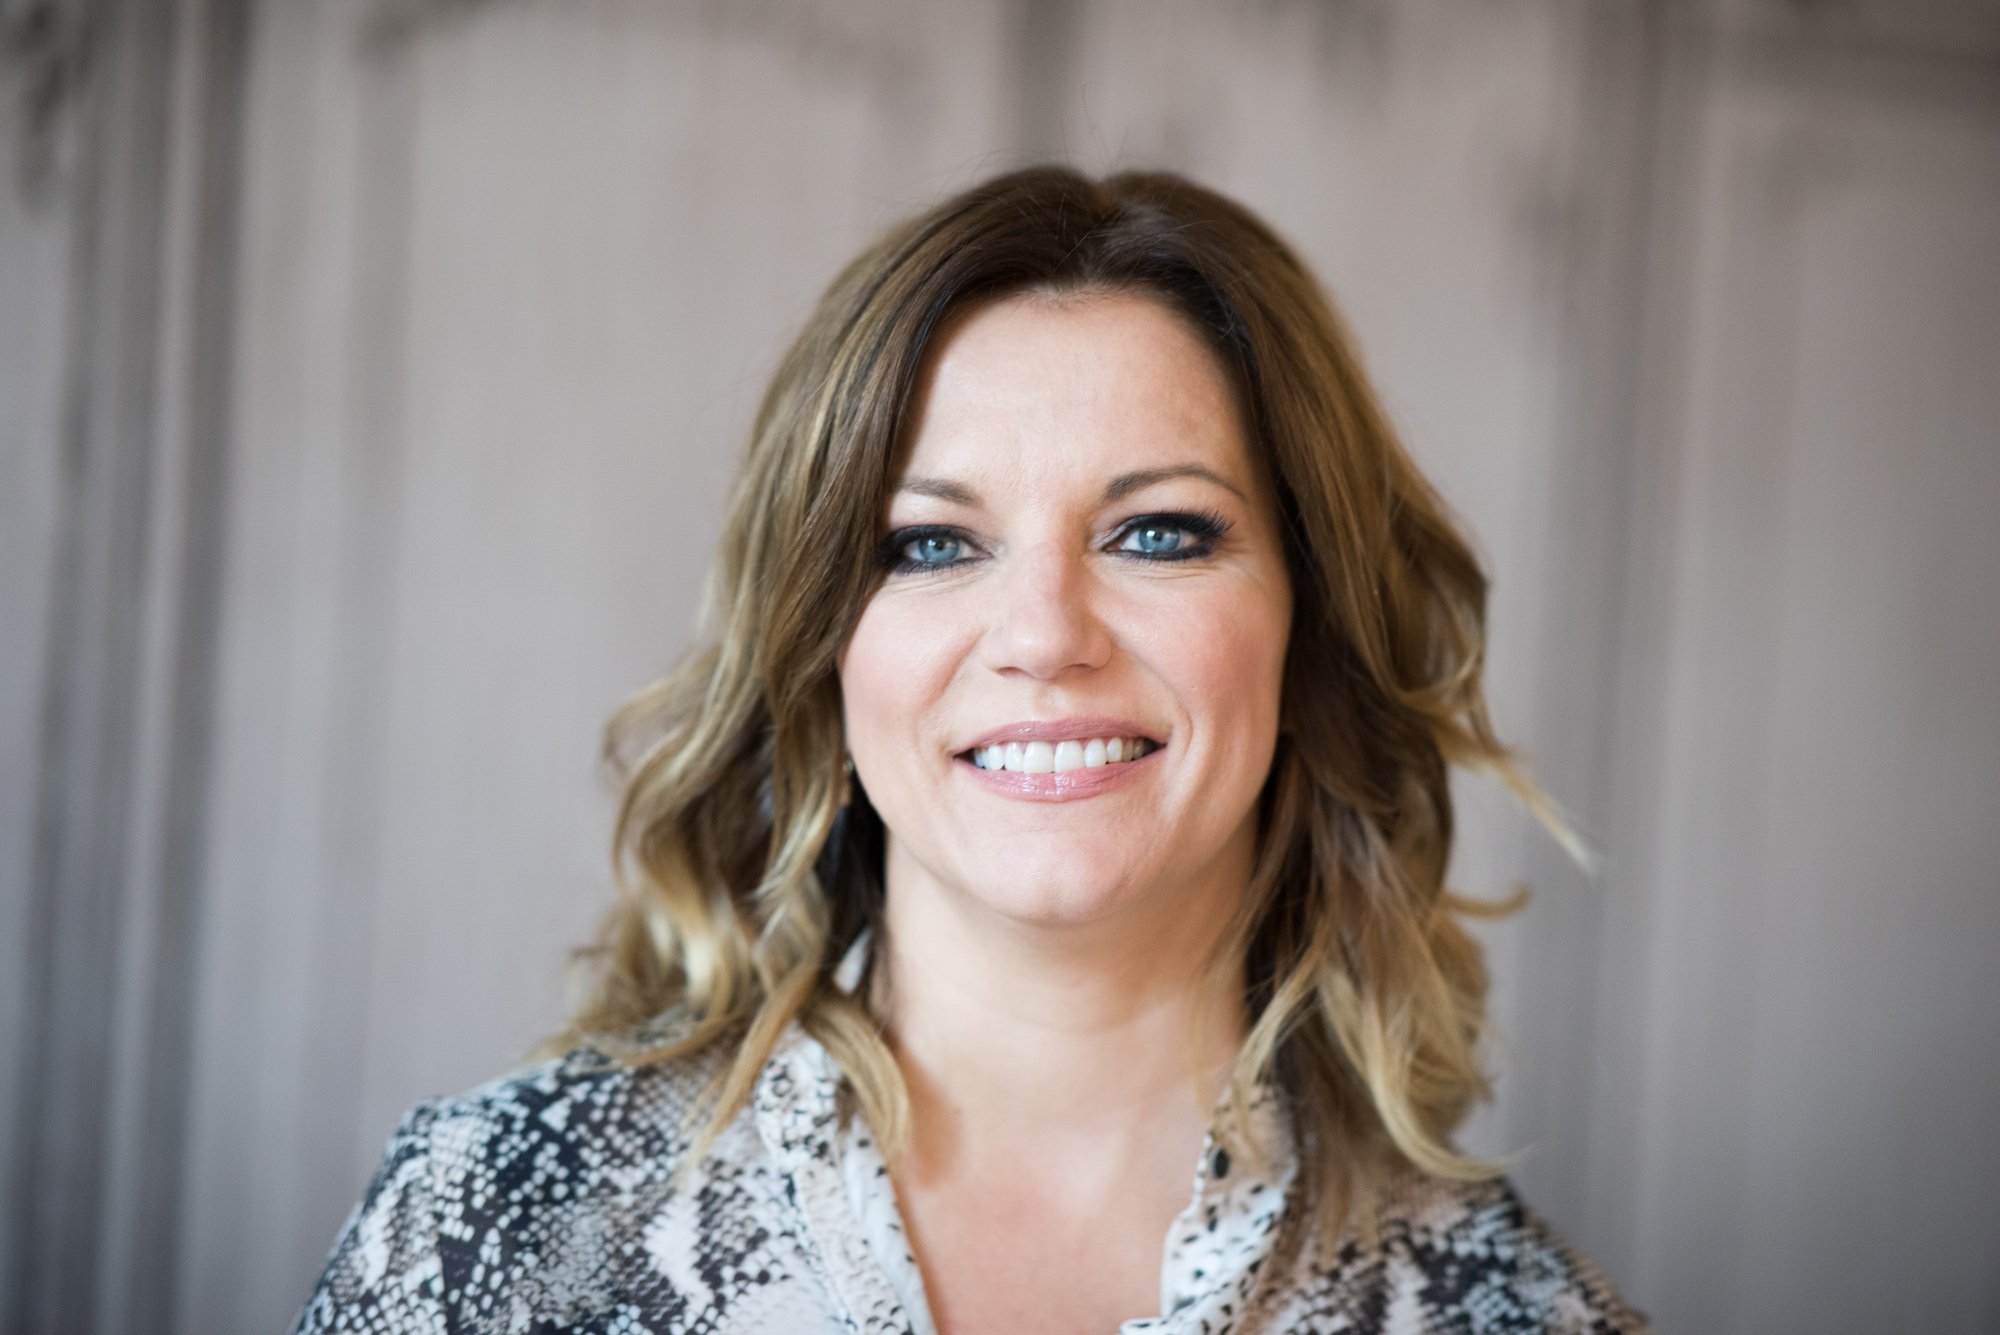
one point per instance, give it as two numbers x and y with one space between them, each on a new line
748 863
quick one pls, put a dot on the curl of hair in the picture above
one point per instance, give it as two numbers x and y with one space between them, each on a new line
746 867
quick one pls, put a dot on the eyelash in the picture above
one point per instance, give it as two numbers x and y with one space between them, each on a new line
1206 526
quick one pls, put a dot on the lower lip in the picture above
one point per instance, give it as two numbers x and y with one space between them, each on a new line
1068 786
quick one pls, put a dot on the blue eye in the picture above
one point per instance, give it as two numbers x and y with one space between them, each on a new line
1173 537
1169 536
932 549
1153 539
927 549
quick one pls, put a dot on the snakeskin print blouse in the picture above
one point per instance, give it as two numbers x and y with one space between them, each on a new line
547 1201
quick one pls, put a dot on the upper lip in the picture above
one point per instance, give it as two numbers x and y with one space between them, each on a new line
1078 729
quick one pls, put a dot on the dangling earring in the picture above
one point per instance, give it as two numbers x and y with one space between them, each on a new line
847 780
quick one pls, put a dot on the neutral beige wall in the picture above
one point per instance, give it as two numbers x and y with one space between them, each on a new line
1689 309
1821 855
36 211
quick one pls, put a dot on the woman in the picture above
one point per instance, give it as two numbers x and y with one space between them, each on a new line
1058 814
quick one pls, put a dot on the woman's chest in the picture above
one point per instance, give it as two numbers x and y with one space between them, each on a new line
996 1260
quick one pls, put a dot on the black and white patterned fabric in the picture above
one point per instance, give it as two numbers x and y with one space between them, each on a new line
549 1201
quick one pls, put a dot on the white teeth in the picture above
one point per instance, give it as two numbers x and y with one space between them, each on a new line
1059 757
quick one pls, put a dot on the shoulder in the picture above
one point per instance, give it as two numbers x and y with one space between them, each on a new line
1477 1247
383 1273
539 1179
563 1120
1470 1256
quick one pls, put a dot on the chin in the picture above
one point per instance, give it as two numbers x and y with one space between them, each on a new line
1040 876
1052 891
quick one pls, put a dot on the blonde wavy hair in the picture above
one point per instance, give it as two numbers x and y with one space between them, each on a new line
746 862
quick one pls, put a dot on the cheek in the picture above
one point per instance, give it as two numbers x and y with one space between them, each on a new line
1224 655
893 667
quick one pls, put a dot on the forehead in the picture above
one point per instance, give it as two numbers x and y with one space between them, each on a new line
1035 386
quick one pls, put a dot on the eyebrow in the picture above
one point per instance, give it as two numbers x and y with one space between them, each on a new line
1117 489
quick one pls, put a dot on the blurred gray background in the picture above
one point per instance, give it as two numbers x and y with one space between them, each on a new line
371 374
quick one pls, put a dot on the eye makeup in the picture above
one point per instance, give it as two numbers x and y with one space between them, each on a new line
893 555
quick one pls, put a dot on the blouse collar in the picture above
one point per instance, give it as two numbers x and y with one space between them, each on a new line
1215 1250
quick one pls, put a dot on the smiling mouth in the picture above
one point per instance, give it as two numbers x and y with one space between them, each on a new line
1059 757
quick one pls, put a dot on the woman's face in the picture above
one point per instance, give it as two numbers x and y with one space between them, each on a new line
1083 566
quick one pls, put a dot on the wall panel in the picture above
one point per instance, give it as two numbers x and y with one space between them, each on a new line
514 277
1823 853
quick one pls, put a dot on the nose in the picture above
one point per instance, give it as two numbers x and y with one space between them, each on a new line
1044 623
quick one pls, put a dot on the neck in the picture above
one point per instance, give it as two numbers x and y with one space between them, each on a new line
1012 1033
